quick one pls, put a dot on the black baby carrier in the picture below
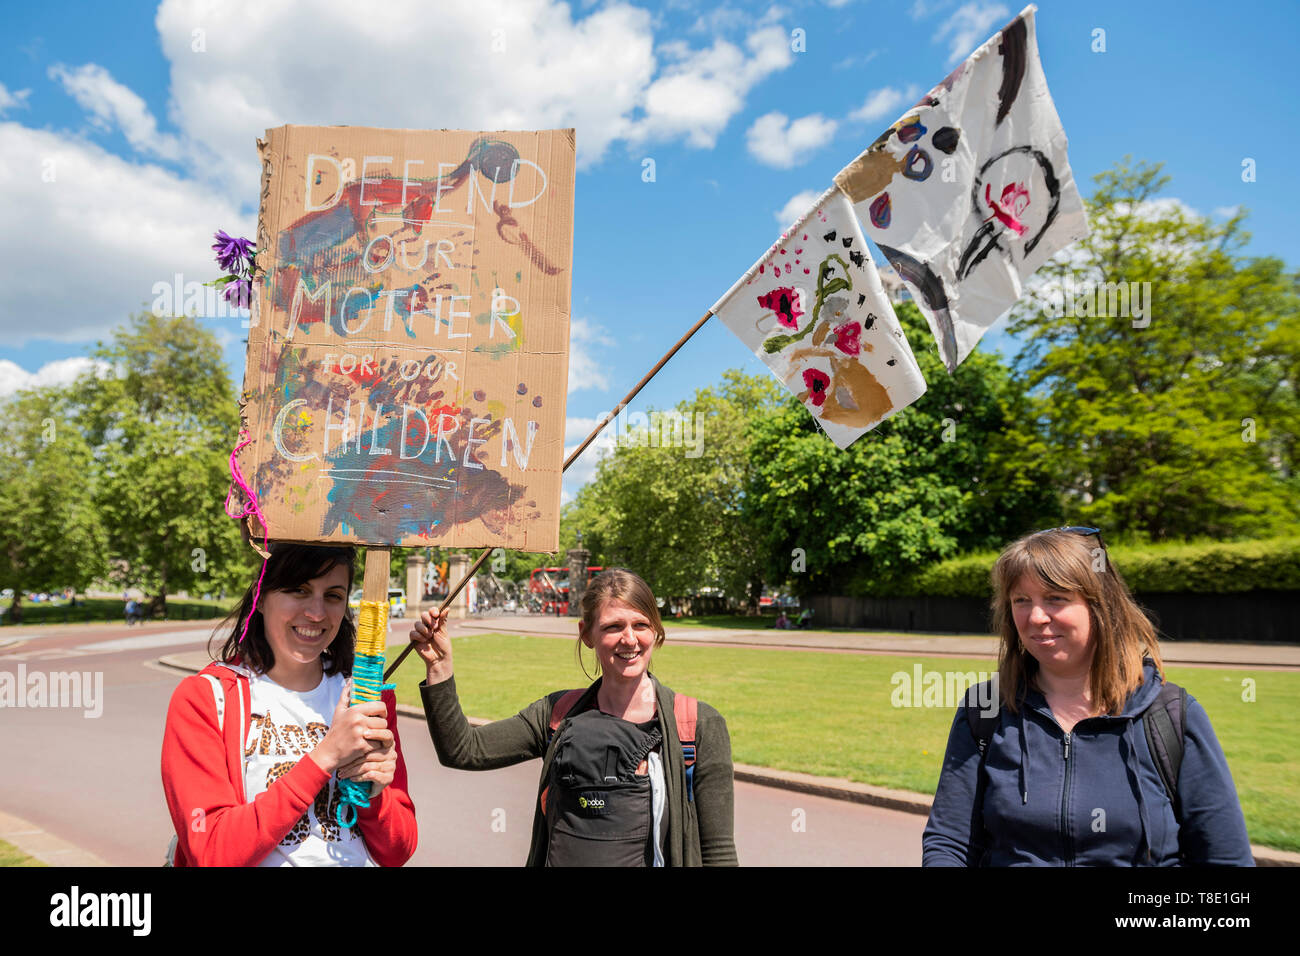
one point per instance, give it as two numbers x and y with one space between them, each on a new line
598 808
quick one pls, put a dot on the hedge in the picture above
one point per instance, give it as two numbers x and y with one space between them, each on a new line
1179 567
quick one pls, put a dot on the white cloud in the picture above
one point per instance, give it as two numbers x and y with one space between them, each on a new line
969 26
584 469
586 370
92 233
695 97
775 141
112 104
472 64
723 18
923 8
105 229
885 103
14 378
797 205
1226 212
9 101
851 61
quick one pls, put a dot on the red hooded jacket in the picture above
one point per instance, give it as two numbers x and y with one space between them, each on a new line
203 781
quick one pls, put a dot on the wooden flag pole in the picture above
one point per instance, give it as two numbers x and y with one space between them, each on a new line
600 425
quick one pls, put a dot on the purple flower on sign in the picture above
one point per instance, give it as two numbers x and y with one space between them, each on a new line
239 293
232 252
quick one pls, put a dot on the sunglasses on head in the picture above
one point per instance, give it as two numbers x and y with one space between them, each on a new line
1079 530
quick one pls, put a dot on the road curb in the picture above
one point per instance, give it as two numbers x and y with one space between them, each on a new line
835 788
43 845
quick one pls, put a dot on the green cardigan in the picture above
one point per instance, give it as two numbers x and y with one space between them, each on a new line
699 833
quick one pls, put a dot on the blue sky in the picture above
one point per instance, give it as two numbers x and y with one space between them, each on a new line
127 129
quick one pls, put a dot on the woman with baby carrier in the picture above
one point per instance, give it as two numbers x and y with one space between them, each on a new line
1082 754
632 773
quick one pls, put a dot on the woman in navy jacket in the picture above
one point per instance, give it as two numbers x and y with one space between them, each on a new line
1068 778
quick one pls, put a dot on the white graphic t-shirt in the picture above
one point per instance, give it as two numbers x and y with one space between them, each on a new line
286 725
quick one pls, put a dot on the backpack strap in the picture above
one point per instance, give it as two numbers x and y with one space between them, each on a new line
219 696
1165 725
561 710
982 726
686 711
558 713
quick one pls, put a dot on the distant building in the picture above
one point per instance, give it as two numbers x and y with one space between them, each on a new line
895 288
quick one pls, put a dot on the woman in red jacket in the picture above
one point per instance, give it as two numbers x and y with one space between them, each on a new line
256 743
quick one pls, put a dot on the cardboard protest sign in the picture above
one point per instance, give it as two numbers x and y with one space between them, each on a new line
970 191
814 311
408 356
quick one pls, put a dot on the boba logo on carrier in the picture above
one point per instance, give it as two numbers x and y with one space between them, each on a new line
591 802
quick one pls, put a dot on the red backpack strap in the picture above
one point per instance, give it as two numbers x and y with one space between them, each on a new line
562 708
686 712
558 713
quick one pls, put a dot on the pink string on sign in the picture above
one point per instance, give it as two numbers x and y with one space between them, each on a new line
250 507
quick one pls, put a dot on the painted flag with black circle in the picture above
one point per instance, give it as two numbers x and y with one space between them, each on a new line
970 191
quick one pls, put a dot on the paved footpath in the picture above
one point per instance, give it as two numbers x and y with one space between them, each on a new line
781 818
1284 656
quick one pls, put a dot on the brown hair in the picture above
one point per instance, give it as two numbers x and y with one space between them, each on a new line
618 584
290 566
1121 634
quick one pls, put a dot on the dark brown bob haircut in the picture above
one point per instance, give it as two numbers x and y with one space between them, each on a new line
290 566
1121 634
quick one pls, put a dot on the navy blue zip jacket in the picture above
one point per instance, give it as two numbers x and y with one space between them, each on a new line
1092 797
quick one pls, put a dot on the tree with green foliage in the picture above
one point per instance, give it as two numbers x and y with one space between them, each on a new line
163 422
959 469
675 511
1174 417
51 531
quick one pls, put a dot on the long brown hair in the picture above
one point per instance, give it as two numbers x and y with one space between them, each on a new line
1121 634
290 566
618 584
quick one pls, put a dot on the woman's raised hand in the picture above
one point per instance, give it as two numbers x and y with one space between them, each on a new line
433 644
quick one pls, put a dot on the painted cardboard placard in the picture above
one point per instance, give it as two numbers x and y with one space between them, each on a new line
970 191
408 357
814 311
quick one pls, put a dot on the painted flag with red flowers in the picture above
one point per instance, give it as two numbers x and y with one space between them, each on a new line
814 311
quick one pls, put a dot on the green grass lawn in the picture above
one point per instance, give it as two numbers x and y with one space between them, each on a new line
832 714
10 855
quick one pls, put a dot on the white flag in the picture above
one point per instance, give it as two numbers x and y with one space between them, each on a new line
971 190
814 311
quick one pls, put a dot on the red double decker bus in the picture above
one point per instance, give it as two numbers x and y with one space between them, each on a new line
548 589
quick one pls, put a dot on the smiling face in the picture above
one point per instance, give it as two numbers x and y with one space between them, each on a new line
1054 625
301 622
623 639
